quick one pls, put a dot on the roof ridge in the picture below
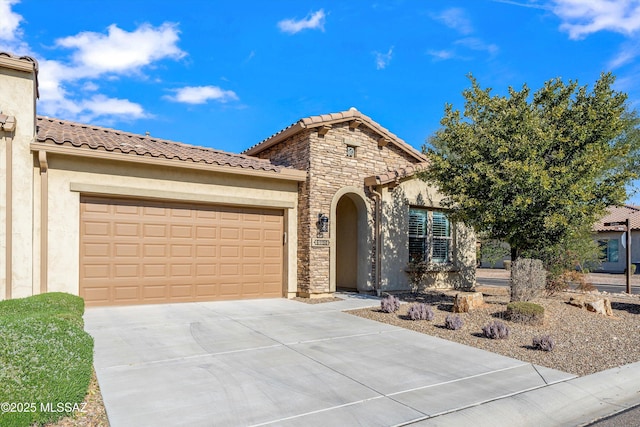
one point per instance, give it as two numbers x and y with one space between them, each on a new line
351 113
146 137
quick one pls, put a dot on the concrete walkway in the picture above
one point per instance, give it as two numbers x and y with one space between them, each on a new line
282 362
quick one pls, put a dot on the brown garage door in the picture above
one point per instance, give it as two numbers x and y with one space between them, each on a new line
141 252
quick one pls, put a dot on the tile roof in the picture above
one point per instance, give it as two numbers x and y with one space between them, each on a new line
395 175
329 119
88 137
617 214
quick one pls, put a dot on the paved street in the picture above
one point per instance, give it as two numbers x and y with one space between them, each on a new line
604 282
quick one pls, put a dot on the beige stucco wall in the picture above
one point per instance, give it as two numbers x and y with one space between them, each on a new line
395 238
71 176
18 100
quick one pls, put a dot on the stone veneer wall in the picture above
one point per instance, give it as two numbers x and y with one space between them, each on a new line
294 152
329 170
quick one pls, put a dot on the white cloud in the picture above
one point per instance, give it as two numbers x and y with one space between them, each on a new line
455 18
477 44
10 32
383 59
313 21
9 21
441 55
202 94
581 18
101 106
120 51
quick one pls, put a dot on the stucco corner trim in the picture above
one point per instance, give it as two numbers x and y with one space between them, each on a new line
106 190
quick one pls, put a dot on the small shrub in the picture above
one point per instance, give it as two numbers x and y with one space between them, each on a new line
528 279
525 312
420 312
544 342
389 304
496 330
453 322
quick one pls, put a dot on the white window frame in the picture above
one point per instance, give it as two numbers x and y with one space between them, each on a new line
430 234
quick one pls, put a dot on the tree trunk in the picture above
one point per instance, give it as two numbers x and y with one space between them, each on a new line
515 253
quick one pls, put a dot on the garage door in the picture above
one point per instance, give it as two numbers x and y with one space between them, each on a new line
141 252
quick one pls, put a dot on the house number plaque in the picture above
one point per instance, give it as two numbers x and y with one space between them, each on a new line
320 242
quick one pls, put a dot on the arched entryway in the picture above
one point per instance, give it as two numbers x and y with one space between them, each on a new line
346 244
350 245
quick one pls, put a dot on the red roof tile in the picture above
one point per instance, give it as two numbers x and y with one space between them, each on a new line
88 137
619 214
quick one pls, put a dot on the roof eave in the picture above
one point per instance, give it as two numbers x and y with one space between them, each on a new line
282 174
275 139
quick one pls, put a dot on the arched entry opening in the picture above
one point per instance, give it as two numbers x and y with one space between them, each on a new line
346 244
350 243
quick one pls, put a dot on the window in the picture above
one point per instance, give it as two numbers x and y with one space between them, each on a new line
609 250
429 236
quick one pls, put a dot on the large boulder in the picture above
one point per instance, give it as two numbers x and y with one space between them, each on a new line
593 304
466 301
600 306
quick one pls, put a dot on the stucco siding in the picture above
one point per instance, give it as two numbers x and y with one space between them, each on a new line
18 100
395 238
69 177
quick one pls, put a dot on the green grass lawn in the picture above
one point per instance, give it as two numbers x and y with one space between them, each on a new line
46 358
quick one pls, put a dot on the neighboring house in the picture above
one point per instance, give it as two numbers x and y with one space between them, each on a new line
610 238
330 202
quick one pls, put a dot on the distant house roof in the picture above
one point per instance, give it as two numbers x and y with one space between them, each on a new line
62 133
619 214
351 115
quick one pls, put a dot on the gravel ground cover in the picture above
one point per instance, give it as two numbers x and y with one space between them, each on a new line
585 342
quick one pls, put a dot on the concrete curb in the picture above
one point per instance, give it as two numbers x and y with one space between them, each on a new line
577 401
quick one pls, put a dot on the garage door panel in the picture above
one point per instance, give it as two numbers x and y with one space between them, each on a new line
135 251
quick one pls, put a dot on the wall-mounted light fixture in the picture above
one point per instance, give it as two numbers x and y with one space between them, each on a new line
323 223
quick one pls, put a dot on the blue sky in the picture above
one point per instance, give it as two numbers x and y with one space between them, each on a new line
227 74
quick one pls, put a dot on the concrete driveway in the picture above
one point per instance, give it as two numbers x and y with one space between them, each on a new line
283 362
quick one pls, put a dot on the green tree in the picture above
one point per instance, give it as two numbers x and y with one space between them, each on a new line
530 169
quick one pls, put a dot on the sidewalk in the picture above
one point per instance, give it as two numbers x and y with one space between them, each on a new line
595 278
578 401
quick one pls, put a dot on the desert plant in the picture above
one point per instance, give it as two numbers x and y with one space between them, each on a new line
453 322
544 342
389 304
528 279
525 312
507 265
560 282
420 311
496 330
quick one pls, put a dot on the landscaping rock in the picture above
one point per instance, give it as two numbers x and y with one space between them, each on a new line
467 301
600 306
577 301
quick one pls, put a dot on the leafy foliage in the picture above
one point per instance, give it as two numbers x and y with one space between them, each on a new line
529 168
453 322
389 304
493 251
496 330
420 311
